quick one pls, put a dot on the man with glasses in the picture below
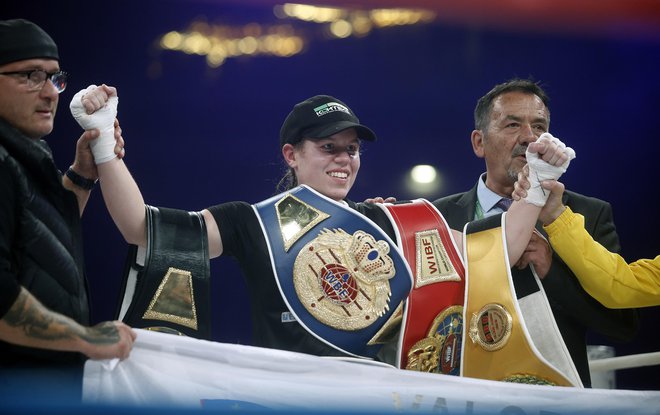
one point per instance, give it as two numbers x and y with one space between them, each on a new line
44 310
36 78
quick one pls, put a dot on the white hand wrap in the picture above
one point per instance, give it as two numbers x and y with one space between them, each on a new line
540 170
103 119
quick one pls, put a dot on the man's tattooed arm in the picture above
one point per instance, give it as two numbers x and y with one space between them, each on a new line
29 323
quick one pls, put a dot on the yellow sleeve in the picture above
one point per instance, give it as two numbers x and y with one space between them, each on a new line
604 275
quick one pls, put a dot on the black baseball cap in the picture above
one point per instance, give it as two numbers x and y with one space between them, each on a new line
318 117
21 39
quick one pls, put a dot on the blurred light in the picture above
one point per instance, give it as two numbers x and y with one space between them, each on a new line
216 57
196 43
341 29
361 24
171 40
376 17
424 180
221 42
423 173
289 46
400 17
248 45
309 13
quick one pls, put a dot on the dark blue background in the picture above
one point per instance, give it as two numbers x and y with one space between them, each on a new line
198 136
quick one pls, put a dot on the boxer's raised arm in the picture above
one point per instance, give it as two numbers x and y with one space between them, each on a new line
96 108
547 159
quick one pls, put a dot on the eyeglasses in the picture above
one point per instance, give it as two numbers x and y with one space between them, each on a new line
36 78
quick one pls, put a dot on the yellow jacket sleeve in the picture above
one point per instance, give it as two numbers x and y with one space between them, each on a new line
604 275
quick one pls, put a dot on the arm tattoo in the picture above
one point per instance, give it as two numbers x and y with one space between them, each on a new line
37 321
102 333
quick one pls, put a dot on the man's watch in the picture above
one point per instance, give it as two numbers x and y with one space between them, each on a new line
78 180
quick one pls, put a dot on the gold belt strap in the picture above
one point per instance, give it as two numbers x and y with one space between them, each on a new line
497 346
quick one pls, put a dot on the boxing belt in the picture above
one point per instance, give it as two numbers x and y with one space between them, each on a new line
339 274
431 330
166 286
498 345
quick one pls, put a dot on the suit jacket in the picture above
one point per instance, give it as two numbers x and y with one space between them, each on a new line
574 310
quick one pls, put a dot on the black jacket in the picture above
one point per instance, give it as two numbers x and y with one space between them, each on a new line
574 310
40 243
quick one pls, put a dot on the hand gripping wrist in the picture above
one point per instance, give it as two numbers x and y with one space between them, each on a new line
80 181
540 170
103 119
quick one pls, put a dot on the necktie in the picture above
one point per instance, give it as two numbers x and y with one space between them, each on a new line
504 203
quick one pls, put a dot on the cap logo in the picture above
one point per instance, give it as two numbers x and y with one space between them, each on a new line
330 107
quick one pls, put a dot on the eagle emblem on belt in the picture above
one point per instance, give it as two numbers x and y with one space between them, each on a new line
343 279
440 351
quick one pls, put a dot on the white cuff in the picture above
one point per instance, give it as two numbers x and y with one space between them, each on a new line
103 119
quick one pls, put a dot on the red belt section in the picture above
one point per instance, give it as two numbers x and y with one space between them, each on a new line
426 302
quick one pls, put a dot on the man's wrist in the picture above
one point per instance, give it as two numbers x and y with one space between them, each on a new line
80 181
550 217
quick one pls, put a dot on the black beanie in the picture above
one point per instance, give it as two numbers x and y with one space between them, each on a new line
21 39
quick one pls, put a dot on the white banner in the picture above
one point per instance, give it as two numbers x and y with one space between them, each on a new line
166 370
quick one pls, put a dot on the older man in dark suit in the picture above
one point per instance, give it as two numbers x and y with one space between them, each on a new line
507 119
